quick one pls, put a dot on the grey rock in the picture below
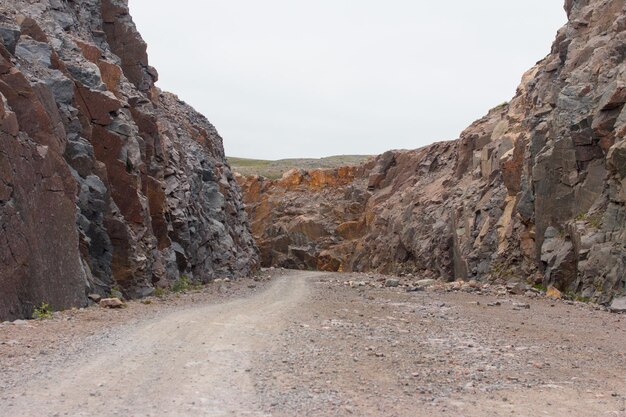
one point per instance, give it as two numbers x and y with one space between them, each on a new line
87 73
61 86
392 282
95 297
36 53
9 35
79 154
618 305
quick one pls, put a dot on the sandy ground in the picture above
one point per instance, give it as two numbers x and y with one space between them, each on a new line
307 344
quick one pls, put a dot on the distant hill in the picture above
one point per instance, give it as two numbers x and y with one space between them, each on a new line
275 169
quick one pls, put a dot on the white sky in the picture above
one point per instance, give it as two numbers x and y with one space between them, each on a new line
296 78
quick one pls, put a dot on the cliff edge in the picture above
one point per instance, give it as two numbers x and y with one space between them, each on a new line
105 181
534 191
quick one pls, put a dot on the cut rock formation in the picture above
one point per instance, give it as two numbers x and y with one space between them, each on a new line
106 182
533 191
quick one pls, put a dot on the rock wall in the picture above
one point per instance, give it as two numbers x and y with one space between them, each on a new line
105 181
533 191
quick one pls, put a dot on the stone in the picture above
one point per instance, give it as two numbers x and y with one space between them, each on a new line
425 282
618 305
614 96
553 293
9 34
96 298
617 159
36 53
516 288
392 282
111 303
61 86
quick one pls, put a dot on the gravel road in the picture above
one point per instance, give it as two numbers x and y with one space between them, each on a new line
308 344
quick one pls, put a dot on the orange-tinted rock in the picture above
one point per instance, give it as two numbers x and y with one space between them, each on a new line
126 43
90 51
99 104
125 185
533 189
351 230
39 241
111 76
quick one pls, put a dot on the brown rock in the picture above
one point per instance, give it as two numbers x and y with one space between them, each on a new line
553 293
500 203
112 303
131 183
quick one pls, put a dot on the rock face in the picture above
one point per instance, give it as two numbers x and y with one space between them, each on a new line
105 181
535 190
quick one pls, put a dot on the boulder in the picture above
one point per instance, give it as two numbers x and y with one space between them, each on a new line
111 303
553 293
392 282
618 305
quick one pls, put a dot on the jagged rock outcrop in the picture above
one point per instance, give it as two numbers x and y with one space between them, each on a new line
297 217
105 181
535 190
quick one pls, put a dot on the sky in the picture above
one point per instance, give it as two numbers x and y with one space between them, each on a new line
295 78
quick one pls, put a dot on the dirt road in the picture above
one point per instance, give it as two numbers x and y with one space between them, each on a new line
309 345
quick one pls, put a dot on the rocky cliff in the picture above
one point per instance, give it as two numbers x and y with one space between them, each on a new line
105 181
533 191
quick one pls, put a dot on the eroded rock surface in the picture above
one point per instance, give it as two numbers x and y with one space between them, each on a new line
105 181
534 191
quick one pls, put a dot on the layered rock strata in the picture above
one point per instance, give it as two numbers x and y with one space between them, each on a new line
105 181
535 190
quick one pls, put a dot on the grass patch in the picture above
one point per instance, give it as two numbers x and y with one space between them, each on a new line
182 284
243 162
115 293
43 312
275 169
594 220
185 284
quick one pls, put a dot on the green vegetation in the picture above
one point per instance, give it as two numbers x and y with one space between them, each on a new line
243 162
43 312
275 169
182 284
185 284
160 292
594 220
540 287
116 292
571 295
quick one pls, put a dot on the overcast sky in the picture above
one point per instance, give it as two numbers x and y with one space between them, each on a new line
296 78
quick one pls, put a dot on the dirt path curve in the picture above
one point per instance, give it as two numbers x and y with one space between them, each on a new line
193 362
